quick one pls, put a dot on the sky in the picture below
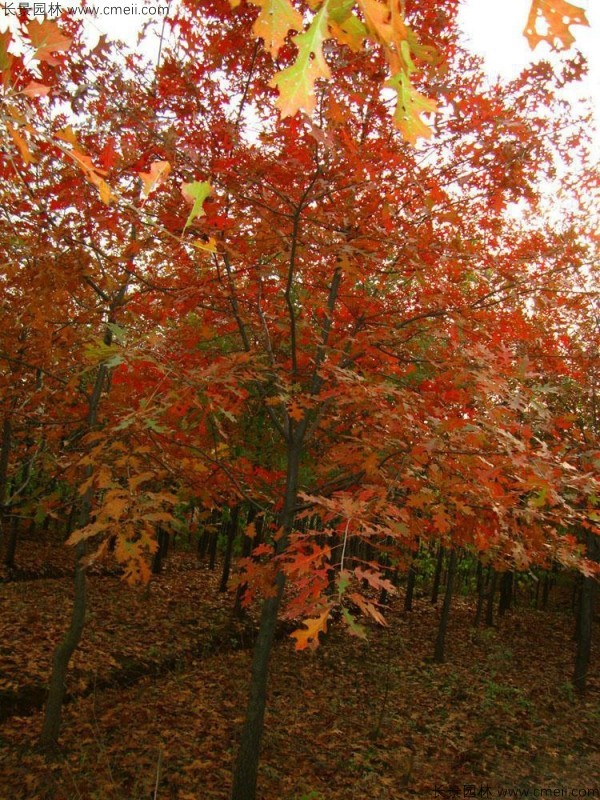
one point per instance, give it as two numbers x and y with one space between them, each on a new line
493 29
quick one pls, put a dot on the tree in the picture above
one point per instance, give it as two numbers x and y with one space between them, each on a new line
322 317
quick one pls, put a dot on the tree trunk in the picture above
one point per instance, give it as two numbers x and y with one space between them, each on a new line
212 550
161 551
506 593
245 772
437 575
584 622
5 445
480 595
62 656
410 582
66 648
231 533
247 546
489 611
11 544
443 627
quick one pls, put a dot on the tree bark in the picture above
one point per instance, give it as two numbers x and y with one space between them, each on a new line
231 533
62 656
72 636
246 768
489 611
443 626
506 593
437 575
410 582
11 544
584 621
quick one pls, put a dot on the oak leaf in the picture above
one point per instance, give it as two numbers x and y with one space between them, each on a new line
47 38
557 16
276 19
195 193
296 84
309 635
157 174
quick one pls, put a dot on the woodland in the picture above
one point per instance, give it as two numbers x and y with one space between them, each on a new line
298 402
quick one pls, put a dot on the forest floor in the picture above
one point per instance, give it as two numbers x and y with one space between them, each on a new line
158 691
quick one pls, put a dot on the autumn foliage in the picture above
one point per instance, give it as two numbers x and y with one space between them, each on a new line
304 265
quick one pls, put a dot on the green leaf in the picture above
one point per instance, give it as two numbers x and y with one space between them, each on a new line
195 192
409 107
353 626
296 84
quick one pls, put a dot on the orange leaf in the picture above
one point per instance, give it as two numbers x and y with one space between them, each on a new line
309 636
47 38
295 411
152 179
22 145
556 16
35 89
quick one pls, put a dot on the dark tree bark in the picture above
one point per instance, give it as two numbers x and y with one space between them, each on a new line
247 546
489 611
584 620
212 549
480 594
72 636
246 768
411 581
245 771
506 593
439 564
232 527
11 544
162 537
440 642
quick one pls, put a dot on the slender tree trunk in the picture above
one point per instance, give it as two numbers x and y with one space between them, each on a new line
62 656
443 627
162 537
411 581
245 772
212 550
584 622
489 611
437 575
5 445
72 636
506 593
11 544
480 595
247 546
231 533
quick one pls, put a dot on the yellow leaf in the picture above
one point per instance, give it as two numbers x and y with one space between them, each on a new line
68 135
210 246
410 105
276 19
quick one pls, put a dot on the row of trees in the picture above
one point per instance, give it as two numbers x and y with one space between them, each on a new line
372 338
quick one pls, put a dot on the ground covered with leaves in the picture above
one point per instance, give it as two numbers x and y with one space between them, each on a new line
158 686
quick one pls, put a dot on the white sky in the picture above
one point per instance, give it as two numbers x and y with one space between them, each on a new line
494 30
